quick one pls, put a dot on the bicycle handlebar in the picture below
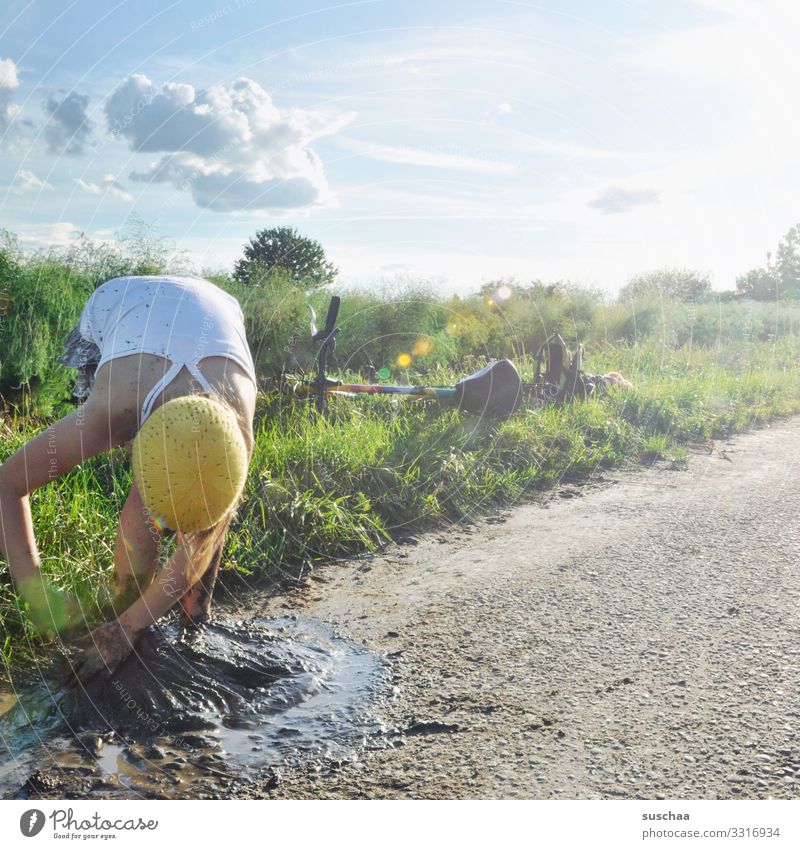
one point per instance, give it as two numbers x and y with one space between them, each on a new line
333 312
330 328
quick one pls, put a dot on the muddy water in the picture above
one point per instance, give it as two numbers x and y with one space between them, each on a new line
195 713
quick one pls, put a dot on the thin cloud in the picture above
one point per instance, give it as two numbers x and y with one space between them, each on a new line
110 185
569 150
116 188
90 188
451 159
617 200
27 181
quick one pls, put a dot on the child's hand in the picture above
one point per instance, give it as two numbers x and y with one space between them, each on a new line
51 610
104 649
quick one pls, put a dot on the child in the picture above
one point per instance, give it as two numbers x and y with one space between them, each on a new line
163 365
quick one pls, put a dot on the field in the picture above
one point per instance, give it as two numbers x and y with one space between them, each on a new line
377 469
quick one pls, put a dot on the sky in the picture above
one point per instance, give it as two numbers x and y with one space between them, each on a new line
451 141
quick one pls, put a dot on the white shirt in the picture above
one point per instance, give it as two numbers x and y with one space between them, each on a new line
181 318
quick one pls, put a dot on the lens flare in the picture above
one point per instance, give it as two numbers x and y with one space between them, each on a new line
404 360
503 293
159 522
384 373
423 346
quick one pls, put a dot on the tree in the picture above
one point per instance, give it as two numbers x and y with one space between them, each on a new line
760 284
677 284
284 248
780 278
787 260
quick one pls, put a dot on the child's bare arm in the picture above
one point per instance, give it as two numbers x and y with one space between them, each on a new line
90 430
108 645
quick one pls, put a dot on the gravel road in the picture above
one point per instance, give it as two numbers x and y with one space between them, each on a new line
633 638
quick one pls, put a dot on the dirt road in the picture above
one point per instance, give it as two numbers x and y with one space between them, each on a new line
636 638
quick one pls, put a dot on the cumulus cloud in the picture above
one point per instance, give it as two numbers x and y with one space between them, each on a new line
56 235
229 145
8 82
8 74
27 181
68 127
616 199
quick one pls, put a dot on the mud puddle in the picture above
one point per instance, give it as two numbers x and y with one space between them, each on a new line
193 714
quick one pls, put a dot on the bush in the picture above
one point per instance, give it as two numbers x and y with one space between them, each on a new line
43 299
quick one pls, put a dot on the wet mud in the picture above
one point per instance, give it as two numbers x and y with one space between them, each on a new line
195 714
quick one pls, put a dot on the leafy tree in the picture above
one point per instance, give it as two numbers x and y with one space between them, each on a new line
284 248
780 278
760 284
677 284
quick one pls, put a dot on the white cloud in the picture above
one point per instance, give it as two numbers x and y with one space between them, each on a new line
8 74
56 235
68 127
110 185
229 145
91 188
117 189
28 181
8 82
449 158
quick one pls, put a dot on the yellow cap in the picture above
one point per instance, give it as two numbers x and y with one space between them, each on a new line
189 463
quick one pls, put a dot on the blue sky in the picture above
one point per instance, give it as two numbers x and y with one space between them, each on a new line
457 142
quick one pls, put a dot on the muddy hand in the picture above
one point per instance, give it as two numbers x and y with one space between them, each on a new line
103 651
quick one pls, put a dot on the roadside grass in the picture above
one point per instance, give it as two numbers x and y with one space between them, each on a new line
378 468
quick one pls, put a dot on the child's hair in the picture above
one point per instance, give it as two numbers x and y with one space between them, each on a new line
207 544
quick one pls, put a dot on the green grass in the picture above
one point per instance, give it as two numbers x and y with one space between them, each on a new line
378 468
